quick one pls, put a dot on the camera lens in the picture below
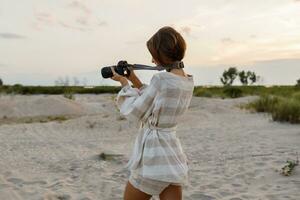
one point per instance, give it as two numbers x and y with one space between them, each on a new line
106 72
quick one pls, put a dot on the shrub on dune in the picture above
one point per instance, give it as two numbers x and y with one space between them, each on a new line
203 93
233 92
296 96
282 109
287 110
265 103
298 83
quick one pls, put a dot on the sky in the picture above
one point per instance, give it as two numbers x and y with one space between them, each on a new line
42 41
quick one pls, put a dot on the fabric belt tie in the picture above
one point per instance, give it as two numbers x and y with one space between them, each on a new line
163 129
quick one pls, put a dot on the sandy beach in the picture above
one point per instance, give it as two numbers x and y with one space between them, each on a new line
50 149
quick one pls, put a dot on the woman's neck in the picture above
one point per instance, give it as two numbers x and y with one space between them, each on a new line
179 72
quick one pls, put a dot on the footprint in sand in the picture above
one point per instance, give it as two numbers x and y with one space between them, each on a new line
20 182
16 181
57 197
260 164
225 193
236 185
240 176
56 185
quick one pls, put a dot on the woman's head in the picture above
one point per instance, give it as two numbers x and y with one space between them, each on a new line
166 46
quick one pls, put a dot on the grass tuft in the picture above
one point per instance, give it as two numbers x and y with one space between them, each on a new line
282 109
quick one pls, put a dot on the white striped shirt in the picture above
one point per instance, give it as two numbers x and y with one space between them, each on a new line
156 109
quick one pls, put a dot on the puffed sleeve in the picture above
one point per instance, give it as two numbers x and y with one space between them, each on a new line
136 104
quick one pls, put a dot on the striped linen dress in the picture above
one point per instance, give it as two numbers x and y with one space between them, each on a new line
157 158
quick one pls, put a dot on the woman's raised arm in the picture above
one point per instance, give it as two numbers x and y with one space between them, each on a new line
135 104
134 80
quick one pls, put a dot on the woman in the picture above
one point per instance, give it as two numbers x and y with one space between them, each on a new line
158 164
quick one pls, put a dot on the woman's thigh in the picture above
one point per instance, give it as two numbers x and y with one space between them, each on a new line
172 192
131 193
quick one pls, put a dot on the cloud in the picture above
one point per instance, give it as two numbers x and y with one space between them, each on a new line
73 20
12 36
232 33
83 21
69 26
227 40
81 6
257 49
102 23
186 29
45 17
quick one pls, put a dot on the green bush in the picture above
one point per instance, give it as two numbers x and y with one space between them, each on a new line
233 92
197 93
283 109
27 90
265 103
298 83
214 91
296 96
69 94
287 110
207 93
203 93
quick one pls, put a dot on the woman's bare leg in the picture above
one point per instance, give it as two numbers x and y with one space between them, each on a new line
172 192
131 193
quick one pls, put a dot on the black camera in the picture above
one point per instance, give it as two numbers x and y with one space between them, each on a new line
123 68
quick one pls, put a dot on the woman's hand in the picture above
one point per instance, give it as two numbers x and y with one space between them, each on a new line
134 79
132 76
117 77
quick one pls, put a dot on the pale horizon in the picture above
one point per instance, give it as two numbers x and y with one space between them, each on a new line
42 41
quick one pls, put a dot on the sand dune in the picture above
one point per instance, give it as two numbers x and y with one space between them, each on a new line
233 154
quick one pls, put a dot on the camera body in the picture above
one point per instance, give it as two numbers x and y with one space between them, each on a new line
124 69
121 68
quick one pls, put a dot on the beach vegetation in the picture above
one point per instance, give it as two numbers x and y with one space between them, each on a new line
298 83
290 165
282 109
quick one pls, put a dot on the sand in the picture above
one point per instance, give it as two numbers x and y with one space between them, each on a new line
233 154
